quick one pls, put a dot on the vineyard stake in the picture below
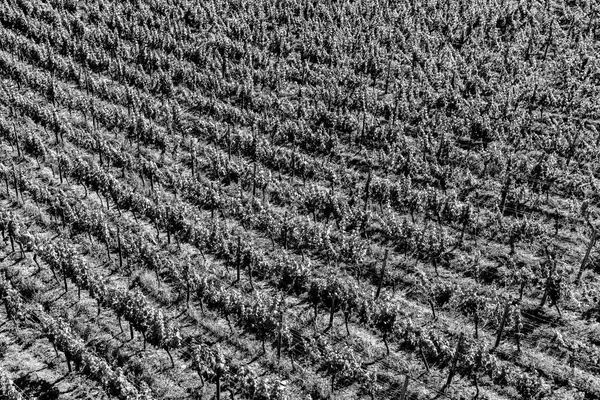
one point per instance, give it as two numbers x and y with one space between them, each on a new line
504 317
432 309
279 338
404 388
218 390
368 189
285 229
119 248
68 357
549 281
16 185
250 275
506 186
591 244
423 355
193 163
238 258
17 141
454 361
331 313
254 180
387 79
382 274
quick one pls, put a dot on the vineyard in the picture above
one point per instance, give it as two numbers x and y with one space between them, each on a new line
370 199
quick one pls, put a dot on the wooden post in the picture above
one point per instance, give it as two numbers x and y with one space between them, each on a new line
368 189
229 142
68 357
61 177
119 247
587 256
423 355
382 275
250 276
16 184
17 142
454 361
331 313
549 279
404 387
238 257
506 186
504 316
254 180
285 229
432 308
279 338
387 78
168 228
396 101
55 349
293 166
193 163
107 244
